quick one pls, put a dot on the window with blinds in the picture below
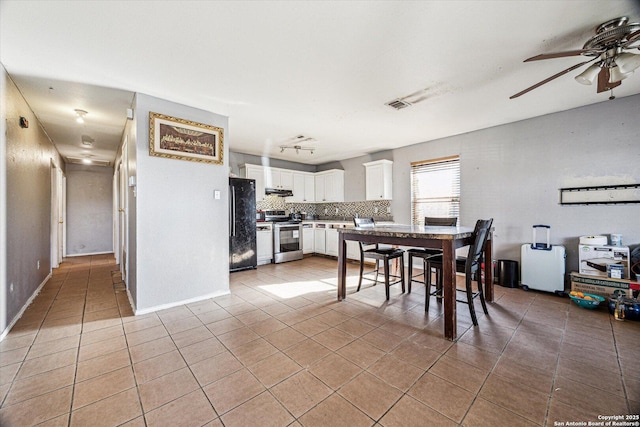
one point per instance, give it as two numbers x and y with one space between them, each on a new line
435 189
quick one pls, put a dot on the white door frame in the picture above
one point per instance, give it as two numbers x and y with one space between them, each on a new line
116 211
58 215
123 217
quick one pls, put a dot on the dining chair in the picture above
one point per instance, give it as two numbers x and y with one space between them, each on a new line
470 265
426 253
374 251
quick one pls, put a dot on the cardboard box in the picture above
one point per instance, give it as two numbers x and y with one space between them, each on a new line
594 260
600 286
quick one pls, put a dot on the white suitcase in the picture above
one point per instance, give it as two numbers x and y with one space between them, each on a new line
543 265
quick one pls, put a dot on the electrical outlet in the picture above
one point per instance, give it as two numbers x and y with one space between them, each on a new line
38 264
375 210
336 211
325 211
11 287
389 209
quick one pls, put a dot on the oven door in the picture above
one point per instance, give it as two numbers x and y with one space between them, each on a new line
287 242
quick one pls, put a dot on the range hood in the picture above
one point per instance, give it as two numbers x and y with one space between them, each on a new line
278 192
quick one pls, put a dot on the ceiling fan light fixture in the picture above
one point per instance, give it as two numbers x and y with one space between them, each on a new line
628 62
588 76
615 75
80 115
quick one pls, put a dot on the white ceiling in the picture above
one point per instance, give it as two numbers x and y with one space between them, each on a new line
282 68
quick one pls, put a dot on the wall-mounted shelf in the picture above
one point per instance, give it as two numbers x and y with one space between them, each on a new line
600 195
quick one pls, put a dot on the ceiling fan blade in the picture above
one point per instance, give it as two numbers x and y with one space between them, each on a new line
603 81
555 76
632 39
563 54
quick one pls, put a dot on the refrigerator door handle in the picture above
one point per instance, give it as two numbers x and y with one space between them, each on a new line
233 207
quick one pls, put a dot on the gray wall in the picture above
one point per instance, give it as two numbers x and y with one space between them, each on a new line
89 209
27 200
179 243
513 172
238 159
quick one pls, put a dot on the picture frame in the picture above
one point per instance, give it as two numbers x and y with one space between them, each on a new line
175 138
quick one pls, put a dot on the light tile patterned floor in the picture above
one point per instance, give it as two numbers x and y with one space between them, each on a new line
280 350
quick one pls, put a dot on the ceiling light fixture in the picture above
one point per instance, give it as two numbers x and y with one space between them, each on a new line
294 144
80 115
588 76
297 148
608 48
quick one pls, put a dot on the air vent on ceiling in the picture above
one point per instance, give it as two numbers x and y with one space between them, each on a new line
82 161
398 104
409 100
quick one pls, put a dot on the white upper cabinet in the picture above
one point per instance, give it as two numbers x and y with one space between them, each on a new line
280 179
379 180
303 188
330 186
307 187
258 174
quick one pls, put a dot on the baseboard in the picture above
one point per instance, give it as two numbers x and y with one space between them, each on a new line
88 254
24 307
175 304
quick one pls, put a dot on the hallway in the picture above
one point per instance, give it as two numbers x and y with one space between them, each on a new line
281 351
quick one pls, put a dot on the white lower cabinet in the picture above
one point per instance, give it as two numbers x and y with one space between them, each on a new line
331 241
353 250
264 244
308 239
319 239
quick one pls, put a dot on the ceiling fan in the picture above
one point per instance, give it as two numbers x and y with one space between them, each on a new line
608 47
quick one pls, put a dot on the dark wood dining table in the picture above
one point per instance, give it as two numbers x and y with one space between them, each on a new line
447 239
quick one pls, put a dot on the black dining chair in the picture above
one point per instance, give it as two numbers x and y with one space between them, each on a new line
374 251
426 253
470 265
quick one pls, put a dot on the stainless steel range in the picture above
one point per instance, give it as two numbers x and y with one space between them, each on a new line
287 236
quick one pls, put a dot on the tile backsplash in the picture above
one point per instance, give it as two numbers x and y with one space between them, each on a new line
379 209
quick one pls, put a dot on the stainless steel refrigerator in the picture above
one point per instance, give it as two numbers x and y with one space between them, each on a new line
242 224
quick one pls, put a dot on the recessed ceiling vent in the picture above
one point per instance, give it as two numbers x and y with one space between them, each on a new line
398 104
409 100
84 161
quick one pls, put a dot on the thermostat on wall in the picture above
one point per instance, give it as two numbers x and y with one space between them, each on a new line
132 181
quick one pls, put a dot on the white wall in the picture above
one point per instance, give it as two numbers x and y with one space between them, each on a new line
513 172
89 209
181 232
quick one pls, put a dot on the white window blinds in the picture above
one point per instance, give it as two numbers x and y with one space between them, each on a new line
435 189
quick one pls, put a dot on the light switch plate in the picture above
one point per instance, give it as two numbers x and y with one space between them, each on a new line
216 194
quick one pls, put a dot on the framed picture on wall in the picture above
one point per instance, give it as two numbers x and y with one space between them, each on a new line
185 140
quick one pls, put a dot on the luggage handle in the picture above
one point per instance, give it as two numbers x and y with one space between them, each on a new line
541 246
